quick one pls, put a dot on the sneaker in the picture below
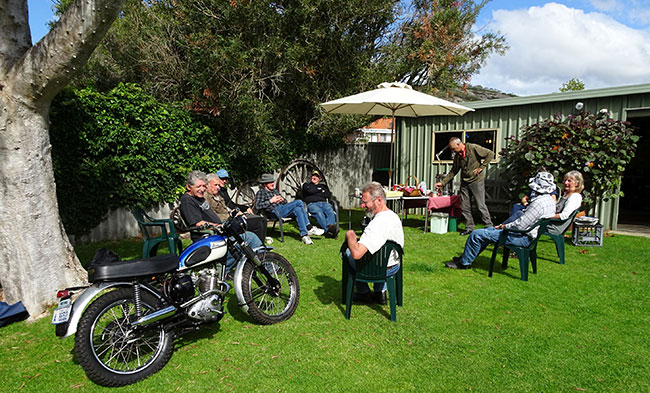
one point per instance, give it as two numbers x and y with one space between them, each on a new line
268 240
307 240
315 231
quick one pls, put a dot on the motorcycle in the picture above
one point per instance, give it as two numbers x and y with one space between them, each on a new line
125 322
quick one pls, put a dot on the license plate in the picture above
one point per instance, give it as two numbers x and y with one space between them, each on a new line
62 313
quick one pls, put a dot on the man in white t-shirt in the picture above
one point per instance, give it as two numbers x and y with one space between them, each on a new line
385 225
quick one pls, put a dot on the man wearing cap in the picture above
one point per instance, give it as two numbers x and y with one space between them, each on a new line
471 160
315 194
268 198
196 212
541 206
220 202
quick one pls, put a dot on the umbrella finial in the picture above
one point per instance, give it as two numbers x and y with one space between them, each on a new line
395 84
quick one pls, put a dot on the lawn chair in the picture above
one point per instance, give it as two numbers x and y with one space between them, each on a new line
275 217
151 242
372 269
558 239
524 254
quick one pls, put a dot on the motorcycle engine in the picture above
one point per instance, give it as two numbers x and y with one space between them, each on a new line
181 288
209 309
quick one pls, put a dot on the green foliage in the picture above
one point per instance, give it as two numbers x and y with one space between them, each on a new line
574 84
122 148
435 47
596 145
579 327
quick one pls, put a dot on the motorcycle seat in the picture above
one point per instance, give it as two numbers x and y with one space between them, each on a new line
118 269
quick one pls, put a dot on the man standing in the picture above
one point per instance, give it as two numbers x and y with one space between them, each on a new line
315 194
268 198
541 206
384 225
471 160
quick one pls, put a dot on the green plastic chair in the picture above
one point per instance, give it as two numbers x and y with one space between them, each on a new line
372 269
558 239
524 254
151 242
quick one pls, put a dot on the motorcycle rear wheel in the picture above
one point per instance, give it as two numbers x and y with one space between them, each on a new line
269 304
110 351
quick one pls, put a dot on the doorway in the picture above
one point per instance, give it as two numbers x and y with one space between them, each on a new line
634 209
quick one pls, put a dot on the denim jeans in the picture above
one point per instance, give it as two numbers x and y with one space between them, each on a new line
252 240
362 287
296 209
323 213
480 238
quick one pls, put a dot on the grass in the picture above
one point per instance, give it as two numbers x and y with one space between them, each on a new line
583 326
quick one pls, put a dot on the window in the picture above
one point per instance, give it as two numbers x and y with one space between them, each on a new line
441 152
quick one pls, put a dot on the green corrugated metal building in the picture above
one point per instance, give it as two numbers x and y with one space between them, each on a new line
419 139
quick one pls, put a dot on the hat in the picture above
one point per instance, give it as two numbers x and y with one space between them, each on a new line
223 174
267 178
315 172
542 183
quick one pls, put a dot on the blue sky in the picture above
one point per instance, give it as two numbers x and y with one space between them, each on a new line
604 43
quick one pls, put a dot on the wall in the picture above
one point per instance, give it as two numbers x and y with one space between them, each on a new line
414 138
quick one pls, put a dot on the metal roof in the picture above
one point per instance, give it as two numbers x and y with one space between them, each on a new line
559 96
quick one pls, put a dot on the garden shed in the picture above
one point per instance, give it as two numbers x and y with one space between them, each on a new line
420 142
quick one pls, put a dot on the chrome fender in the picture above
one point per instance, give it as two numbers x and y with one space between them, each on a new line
237 279
87 296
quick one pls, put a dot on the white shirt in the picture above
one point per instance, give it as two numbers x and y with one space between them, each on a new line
572 204
386 225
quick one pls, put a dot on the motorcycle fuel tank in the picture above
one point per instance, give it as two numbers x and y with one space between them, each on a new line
203 251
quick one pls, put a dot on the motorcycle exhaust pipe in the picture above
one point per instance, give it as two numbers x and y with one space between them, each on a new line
155 316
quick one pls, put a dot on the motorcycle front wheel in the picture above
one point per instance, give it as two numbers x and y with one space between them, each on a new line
270 301
110 350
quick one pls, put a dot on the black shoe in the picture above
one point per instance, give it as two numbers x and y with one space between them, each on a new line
455 264
362 297
466 232
380 297
331 232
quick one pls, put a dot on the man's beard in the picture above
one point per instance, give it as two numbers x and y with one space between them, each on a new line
370 214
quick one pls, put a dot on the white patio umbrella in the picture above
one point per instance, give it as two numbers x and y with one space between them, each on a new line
394 99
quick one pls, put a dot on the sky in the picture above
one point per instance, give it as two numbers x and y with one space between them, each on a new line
603 43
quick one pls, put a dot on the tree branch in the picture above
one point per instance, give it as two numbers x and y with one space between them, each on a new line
16 38
50 64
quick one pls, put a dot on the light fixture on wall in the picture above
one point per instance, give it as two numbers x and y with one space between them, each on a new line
579 106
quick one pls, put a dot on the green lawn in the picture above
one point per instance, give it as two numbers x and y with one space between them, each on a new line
584 326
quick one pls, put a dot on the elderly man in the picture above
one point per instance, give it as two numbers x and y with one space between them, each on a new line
196 211
220 202
541 206
384 225
471 160
315 194
268 198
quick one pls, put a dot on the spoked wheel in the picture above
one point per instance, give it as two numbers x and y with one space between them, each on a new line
110 350
275 300
245 194
292 177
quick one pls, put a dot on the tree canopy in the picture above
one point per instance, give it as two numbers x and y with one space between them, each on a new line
257 70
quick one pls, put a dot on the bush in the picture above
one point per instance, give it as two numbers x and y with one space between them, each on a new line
122 148
596 145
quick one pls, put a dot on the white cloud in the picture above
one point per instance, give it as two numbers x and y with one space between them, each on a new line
551 44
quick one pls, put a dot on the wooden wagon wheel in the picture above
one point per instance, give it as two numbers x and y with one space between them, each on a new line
292 177
245 195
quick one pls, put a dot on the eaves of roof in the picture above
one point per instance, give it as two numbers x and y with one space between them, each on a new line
566 96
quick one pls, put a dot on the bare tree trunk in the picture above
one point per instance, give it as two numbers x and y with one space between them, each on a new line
36 257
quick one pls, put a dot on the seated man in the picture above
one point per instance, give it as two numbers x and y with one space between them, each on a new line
541 206
315 194
384 225
220 202
196 212
268 198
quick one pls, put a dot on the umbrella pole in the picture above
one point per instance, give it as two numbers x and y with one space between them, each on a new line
392 148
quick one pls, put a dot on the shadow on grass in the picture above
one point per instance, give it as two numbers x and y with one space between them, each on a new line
330 292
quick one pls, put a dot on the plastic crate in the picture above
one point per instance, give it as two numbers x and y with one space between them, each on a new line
439 222
587 235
